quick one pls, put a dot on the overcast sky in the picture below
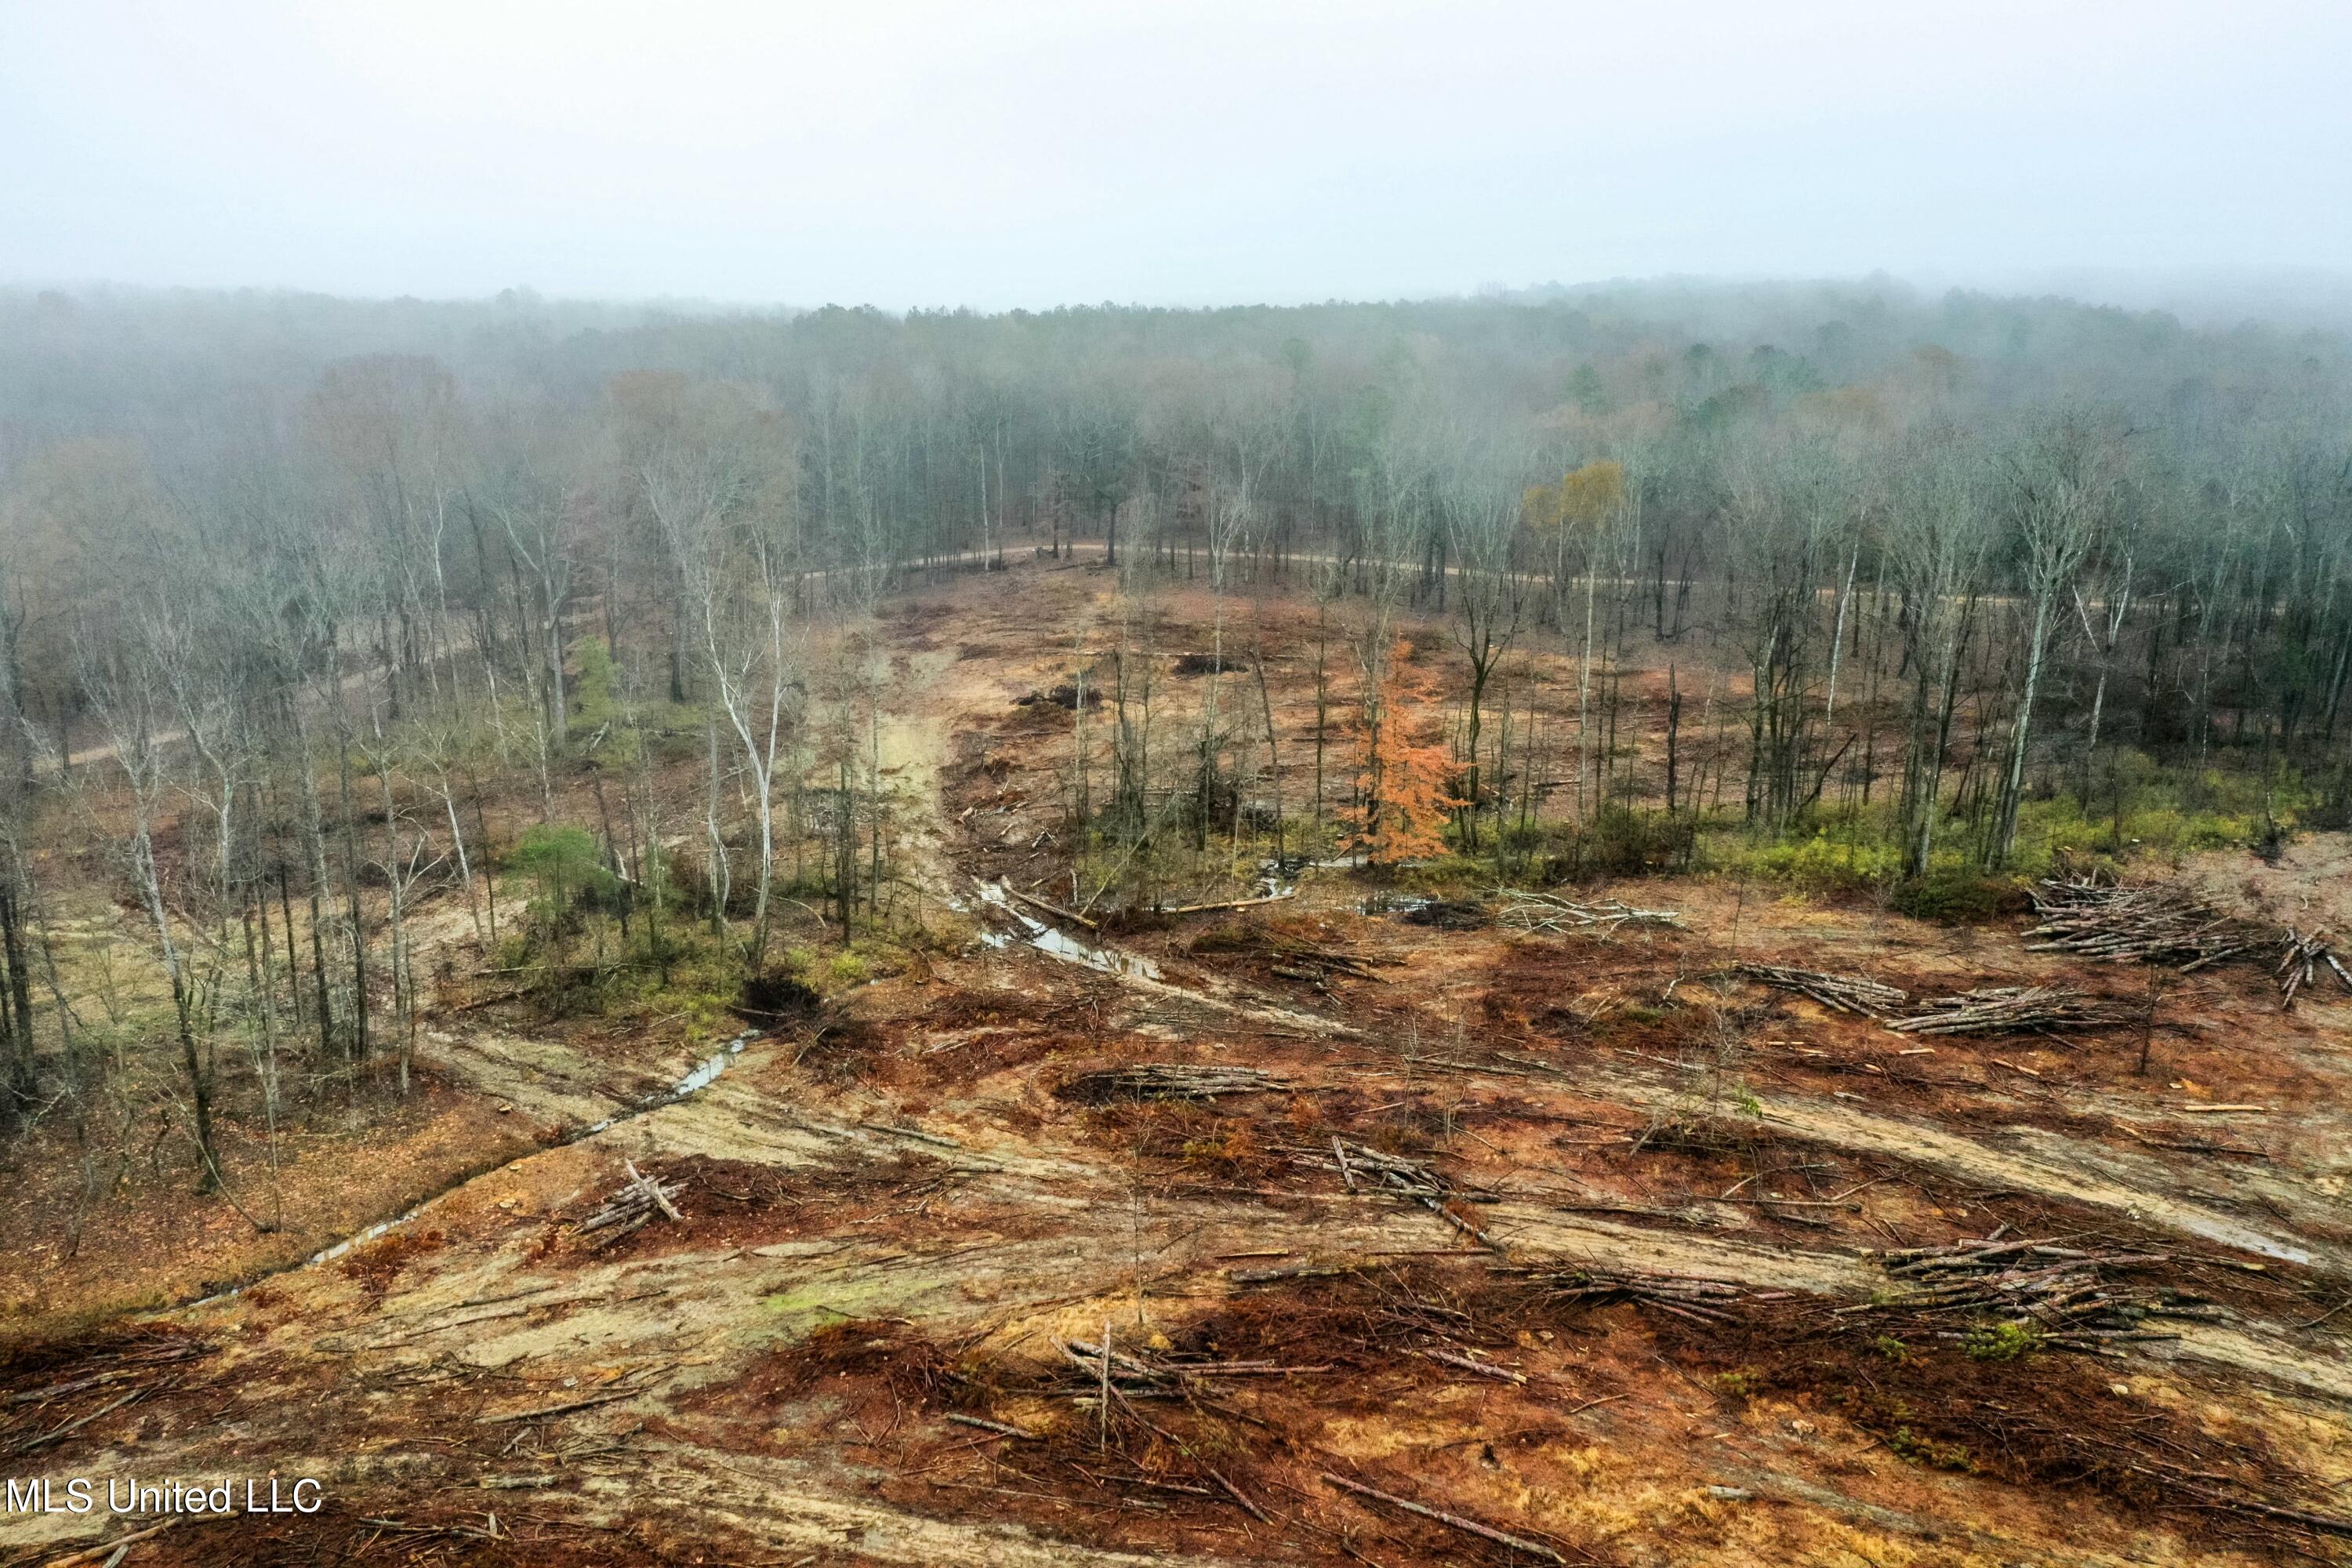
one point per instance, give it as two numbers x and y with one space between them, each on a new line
994 153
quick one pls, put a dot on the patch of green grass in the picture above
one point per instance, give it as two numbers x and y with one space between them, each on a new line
1741 1383
1856 856
2003 1341
2139 808
1919 1450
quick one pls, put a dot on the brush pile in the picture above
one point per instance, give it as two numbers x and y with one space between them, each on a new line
2300 962
632 1208
1549 912
2003 1009
1291 957
33 1418
1140 1375
1839 993
1363 1167
1683 1295
1445 914
1164 1080
2158 924
2059 1296
1114 1381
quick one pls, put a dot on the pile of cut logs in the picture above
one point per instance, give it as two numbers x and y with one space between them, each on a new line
1293 959
631 1209
1362 1166
2301 960
2001 1008
1842 993
2158 924
1165 1080
1684 1295
1551 912
2066 1294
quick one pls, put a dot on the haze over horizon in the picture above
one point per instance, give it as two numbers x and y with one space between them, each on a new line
918 154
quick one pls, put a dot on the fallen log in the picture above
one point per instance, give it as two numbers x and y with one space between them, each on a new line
1472 1363
1232 903
1056 910
1452 1520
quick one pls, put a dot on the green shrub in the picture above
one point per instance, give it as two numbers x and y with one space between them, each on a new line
1625 841
1955 895
565 864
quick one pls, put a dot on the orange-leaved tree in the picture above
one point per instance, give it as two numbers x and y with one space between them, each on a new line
1404 783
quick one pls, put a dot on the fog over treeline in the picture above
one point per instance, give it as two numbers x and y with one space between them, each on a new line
409 460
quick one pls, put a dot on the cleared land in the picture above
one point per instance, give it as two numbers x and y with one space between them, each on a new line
1308 1232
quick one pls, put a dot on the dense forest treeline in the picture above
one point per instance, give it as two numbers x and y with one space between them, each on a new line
289 585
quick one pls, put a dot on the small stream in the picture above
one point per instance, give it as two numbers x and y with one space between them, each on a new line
1058 943
705 1073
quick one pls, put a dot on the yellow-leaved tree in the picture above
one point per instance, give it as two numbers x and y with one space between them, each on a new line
1587 504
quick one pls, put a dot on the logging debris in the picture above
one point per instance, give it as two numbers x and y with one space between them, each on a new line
1445 914
1291 957
2065 1296
1416 1181
632 1207
1551 912
1688 1296
117 1377
2152 924
1165 1080
2002 1009
2300 960
1839 993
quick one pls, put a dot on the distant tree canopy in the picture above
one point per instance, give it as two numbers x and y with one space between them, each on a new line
2149 521
290 588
